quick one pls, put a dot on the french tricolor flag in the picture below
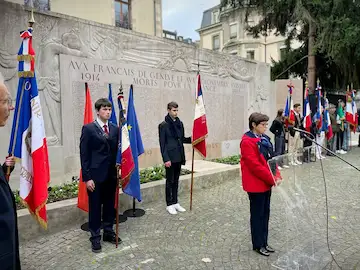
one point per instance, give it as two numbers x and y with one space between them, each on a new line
318 115
351 115
200 130
28 140
124 157
329 131
307 111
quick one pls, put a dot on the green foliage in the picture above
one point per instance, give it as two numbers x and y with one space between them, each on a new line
232 160
70 190
336 38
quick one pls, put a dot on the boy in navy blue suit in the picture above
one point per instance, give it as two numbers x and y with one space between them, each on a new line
98 149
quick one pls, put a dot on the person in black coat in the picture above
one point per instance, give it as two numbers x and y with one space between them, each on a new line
98 150
9 239
172 138
278 129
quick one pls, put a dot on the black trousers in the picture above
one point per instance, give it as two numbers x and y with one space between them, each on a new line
259 218
172 183
339 140
103 196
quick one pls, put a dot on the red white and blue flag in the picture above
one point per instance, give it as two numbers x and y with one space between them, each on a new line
307 112
124 157
351 114
200 130
329 131
28 140
289 113
318 115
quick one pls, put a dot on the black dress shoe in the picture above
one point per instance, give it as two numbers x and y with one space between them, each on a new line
262 251
111 237
96 246
270 249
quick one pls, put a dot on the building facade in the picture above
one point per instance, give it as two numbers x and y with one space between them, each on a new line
174 36
225 30
144 16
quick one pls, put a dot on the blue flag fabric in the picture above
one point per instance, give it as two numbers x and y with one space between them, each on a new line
22 114
113 115
137 148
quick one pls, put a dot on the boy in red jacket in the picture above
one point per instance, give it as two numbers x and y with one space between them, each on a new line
257 179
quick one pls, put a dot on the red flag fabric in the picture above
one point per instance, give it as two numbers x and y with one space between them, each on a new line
200 130
83 199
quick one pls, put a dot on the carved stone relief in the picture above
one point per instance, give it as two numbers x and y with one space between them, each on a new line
55 35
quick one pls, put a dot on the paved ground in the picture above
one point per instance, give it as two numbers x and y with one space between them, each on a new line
215 235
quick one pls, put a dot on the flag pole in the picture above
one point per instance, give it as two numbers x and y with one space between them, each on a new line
117 204
193 157
119 218
192 177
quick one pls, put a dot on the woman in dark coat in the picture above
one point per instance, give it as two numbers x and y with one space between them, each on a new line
257 179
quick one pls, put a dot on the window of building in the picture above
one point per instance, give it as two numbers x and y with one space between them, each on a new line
122 15
216 42
282 53
233 31
250 55
215 17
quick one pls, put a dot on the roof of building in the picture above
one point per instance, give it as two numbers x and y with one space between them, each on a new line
206 19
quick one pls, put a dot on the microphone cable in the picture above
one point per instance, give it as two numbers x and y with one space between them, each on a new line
313 140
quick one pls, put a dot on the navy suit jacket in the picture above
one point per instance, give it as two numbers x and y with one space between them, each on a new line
98 152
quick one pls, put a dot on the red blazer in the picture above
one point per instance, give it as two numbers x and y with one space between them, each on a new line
256 174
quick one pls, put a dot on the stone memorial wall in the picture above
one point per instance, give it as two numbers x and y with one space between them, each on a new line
72 51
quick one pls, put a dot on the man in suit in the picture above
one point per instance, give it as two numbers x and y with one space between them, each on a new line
9 241
98 149
295 140
172 138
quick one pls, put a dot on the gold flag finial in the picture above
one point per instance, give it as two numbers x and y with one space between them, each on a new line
318 81
306 84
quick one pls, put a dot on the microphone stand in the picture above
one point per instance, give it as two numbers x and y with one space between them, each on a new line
306 133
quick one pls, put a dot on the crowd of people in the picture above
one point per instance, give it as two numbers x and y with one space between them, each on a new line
327 127
288 138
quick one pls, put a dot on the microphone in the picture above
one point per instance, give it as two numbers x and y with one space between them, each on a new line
306 133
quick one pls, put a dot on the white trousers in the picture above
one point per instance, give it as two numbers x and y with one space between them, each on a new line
320 138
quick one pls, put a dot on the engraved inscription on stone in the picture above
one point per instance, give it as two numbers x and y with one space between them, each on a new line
153 89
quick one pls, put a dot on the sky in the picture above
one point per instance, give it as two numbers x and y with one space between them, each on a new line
185 16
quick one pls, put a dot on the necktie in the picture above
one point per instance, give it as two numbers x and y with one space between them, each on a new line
106 129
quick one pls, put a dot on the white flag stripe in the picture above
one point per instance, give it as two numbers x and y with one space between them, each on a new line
125 141
37 130
199 108
26 171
